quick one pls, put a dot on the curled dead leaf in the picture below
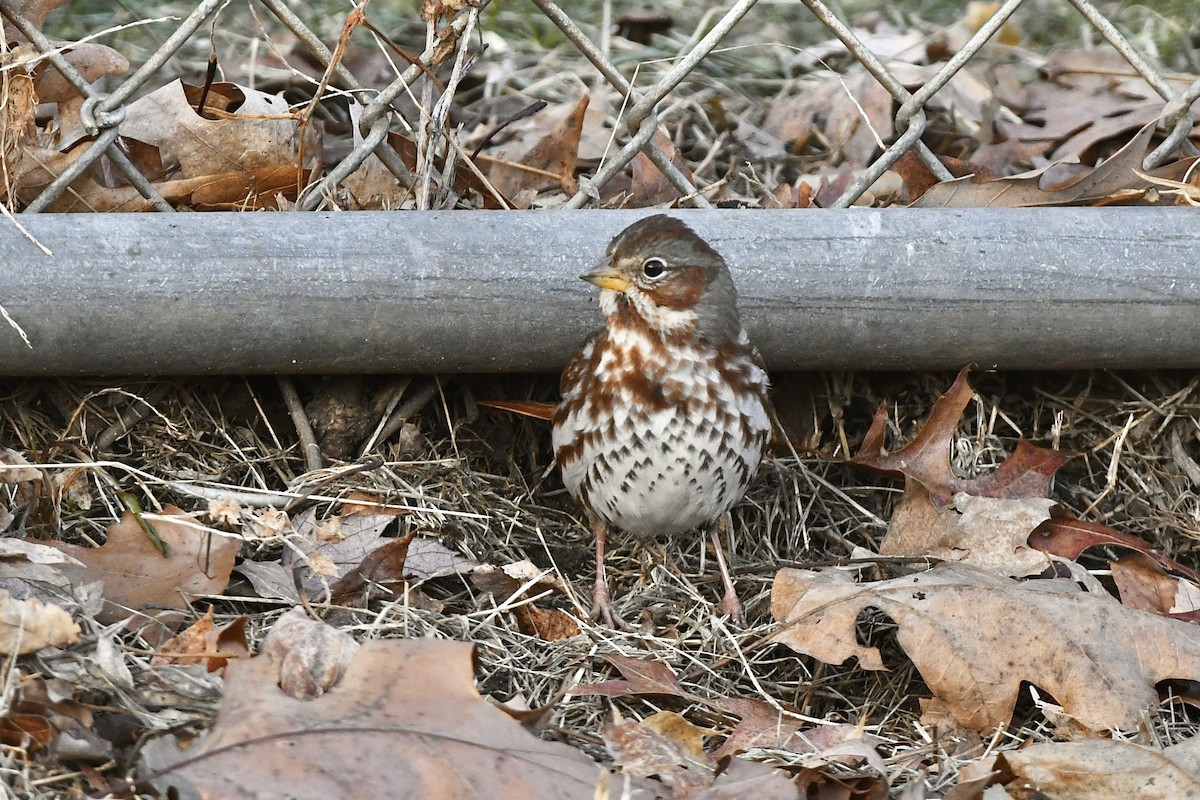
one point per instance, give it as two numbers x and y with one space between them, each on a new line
310 657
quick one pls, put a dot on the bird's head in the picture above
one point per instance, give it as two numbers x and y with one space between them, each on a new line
659 268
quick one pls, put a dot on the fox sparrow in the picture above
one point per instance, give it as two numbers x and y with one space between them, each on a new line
663 417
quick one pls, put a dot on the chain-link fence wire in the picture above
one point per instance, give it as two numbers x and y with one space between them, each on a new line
103 112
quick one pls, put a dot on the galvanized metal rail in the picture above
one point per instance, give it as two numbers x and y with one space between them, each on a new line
497 291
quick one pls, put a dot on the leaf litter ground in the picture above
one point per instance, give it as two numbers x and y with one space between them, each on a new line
455 527
475 482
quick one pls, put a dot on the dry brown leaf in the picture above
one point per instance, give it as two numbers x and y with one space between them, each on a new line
1099 769
926 459
310 657
550 624
519 580
342 541
759 725
1091 100
975 636
536 409
372 185
29 625
663 754
762 726
1144 585
820 784
38 711
1067 537
203 642
642 751
18 129
243 152
380 575
650 187
543 153
917 178
404 721
987 532
688 737
14 468
137 576
638 677
1115 179
242 130
465 179
834 110
338 545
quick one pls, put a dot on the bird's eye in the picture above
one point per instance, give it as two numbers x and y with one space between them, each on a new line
653 267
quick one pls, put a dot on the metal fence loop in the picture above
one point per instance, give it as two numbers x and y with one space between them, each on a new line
95 118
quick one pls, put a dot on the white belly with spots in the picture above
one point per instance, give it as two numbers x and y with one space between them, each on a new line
666 470
679 473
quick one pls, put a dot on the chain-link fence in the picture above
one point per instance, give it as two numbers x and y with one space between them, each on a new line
102 114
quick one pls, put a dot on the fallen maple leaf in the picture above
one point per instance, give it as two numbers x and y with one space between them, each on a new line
404 721
975 636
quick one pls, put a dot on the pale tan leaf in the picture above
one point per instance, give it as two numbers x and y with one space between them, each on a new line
241 131
1118 174
988 532
14 468
204 642
1099 769
27 626
975 636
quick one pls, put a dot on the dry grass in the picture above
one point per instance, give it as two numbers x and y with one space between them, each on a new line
479 480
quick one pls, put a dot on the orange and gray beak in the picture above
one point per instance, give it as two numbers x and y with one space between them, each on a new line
606 277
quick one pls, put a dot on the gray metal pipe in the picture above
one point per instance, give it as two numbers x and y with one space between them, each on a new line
492 290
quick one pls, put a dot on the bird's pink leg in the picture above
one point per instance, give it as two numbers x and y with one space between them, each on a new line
601 602
730 604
